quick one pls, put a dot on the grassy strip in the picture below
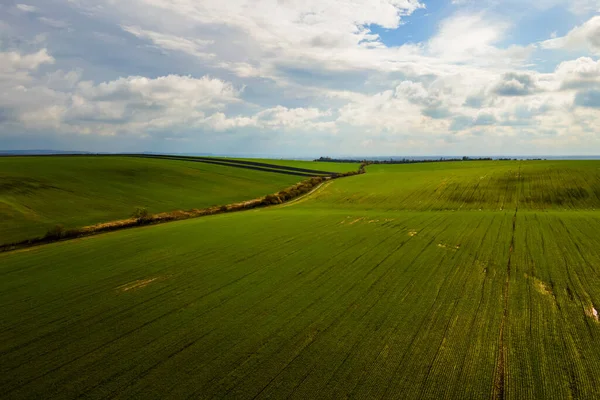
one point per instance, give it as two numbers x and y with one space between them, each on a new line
219 161
142 217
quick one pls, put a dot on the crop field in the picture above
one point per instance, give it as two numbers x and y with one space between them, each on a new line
318 165
426 281
37 193
487 185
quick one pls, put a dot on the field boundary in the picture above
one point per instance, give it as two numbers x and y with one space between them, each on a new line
288 195
305 196
256 166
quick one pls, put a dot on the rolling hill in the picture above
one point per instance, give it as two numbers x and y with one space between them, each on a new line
37 193
450 280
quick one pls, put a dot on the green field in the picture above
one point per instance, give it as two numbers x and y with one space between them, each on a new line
317 165
37 193
426 281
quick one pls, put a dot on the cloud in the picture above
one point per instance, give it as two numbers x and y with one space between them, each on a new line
134 105
308 34
484 119
577 7
11 62
475 101
460 123
515 84
54 23
292 118
194 47
582 7
582 38
581 73
26 8
473 37
337 73
588 98
138 103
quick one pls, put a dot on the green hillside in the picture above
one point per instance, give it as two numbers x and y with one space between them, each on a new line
486 185
391 284
317 165
39 192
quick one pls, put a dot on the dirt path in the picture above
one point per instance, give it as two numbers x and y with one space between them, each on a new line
306 196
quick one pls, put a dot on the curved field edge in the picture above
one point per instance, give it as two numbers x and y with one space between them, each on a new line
252 165
37 193
285 196
315 165
472 185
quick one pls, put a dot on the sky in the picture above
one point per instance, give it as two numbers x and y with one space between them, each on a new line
301 78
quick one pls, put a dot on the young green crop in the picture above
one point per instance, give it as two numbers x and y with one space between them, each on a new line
489 185
316 165
36 193
333 296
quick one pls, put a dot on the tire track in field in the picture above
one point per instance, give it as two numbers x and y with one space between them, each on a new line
329 312
461 373
390 238
157 364
409 349
160 362
125 311
363 376
425 385
337 318
402 292
123 335
571 354
499 390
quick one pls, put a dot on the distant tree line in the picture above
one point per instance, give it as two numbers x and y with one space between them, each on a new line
415 161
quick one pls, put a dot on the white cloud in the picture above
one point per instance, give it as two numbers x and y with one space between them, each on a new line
137 103
582 38
133 105
577 7
194 47
13 61
26 8
473 38
582 73
312 67
516 84
583 7
293 118
271 36
54 23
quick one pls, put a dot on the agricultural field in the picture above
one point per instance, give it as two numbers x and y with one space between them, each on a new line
37 193
317 165
474 185
425 281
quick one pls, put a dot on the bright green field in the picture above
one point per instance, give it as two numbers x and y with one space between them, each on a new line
39 192
487 185
316 165
406 296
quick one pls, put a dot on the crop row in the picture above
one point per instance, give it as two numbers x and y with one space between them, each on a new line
364 305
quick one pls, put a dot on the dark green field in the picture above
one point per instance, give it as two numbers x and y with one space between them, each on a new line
37 193
445 280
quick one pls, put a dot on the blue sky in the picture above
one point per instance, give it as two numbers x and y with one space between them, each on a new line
301 78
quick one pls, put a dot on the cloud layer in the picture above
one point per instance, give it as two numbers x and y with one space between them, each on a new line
299 77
